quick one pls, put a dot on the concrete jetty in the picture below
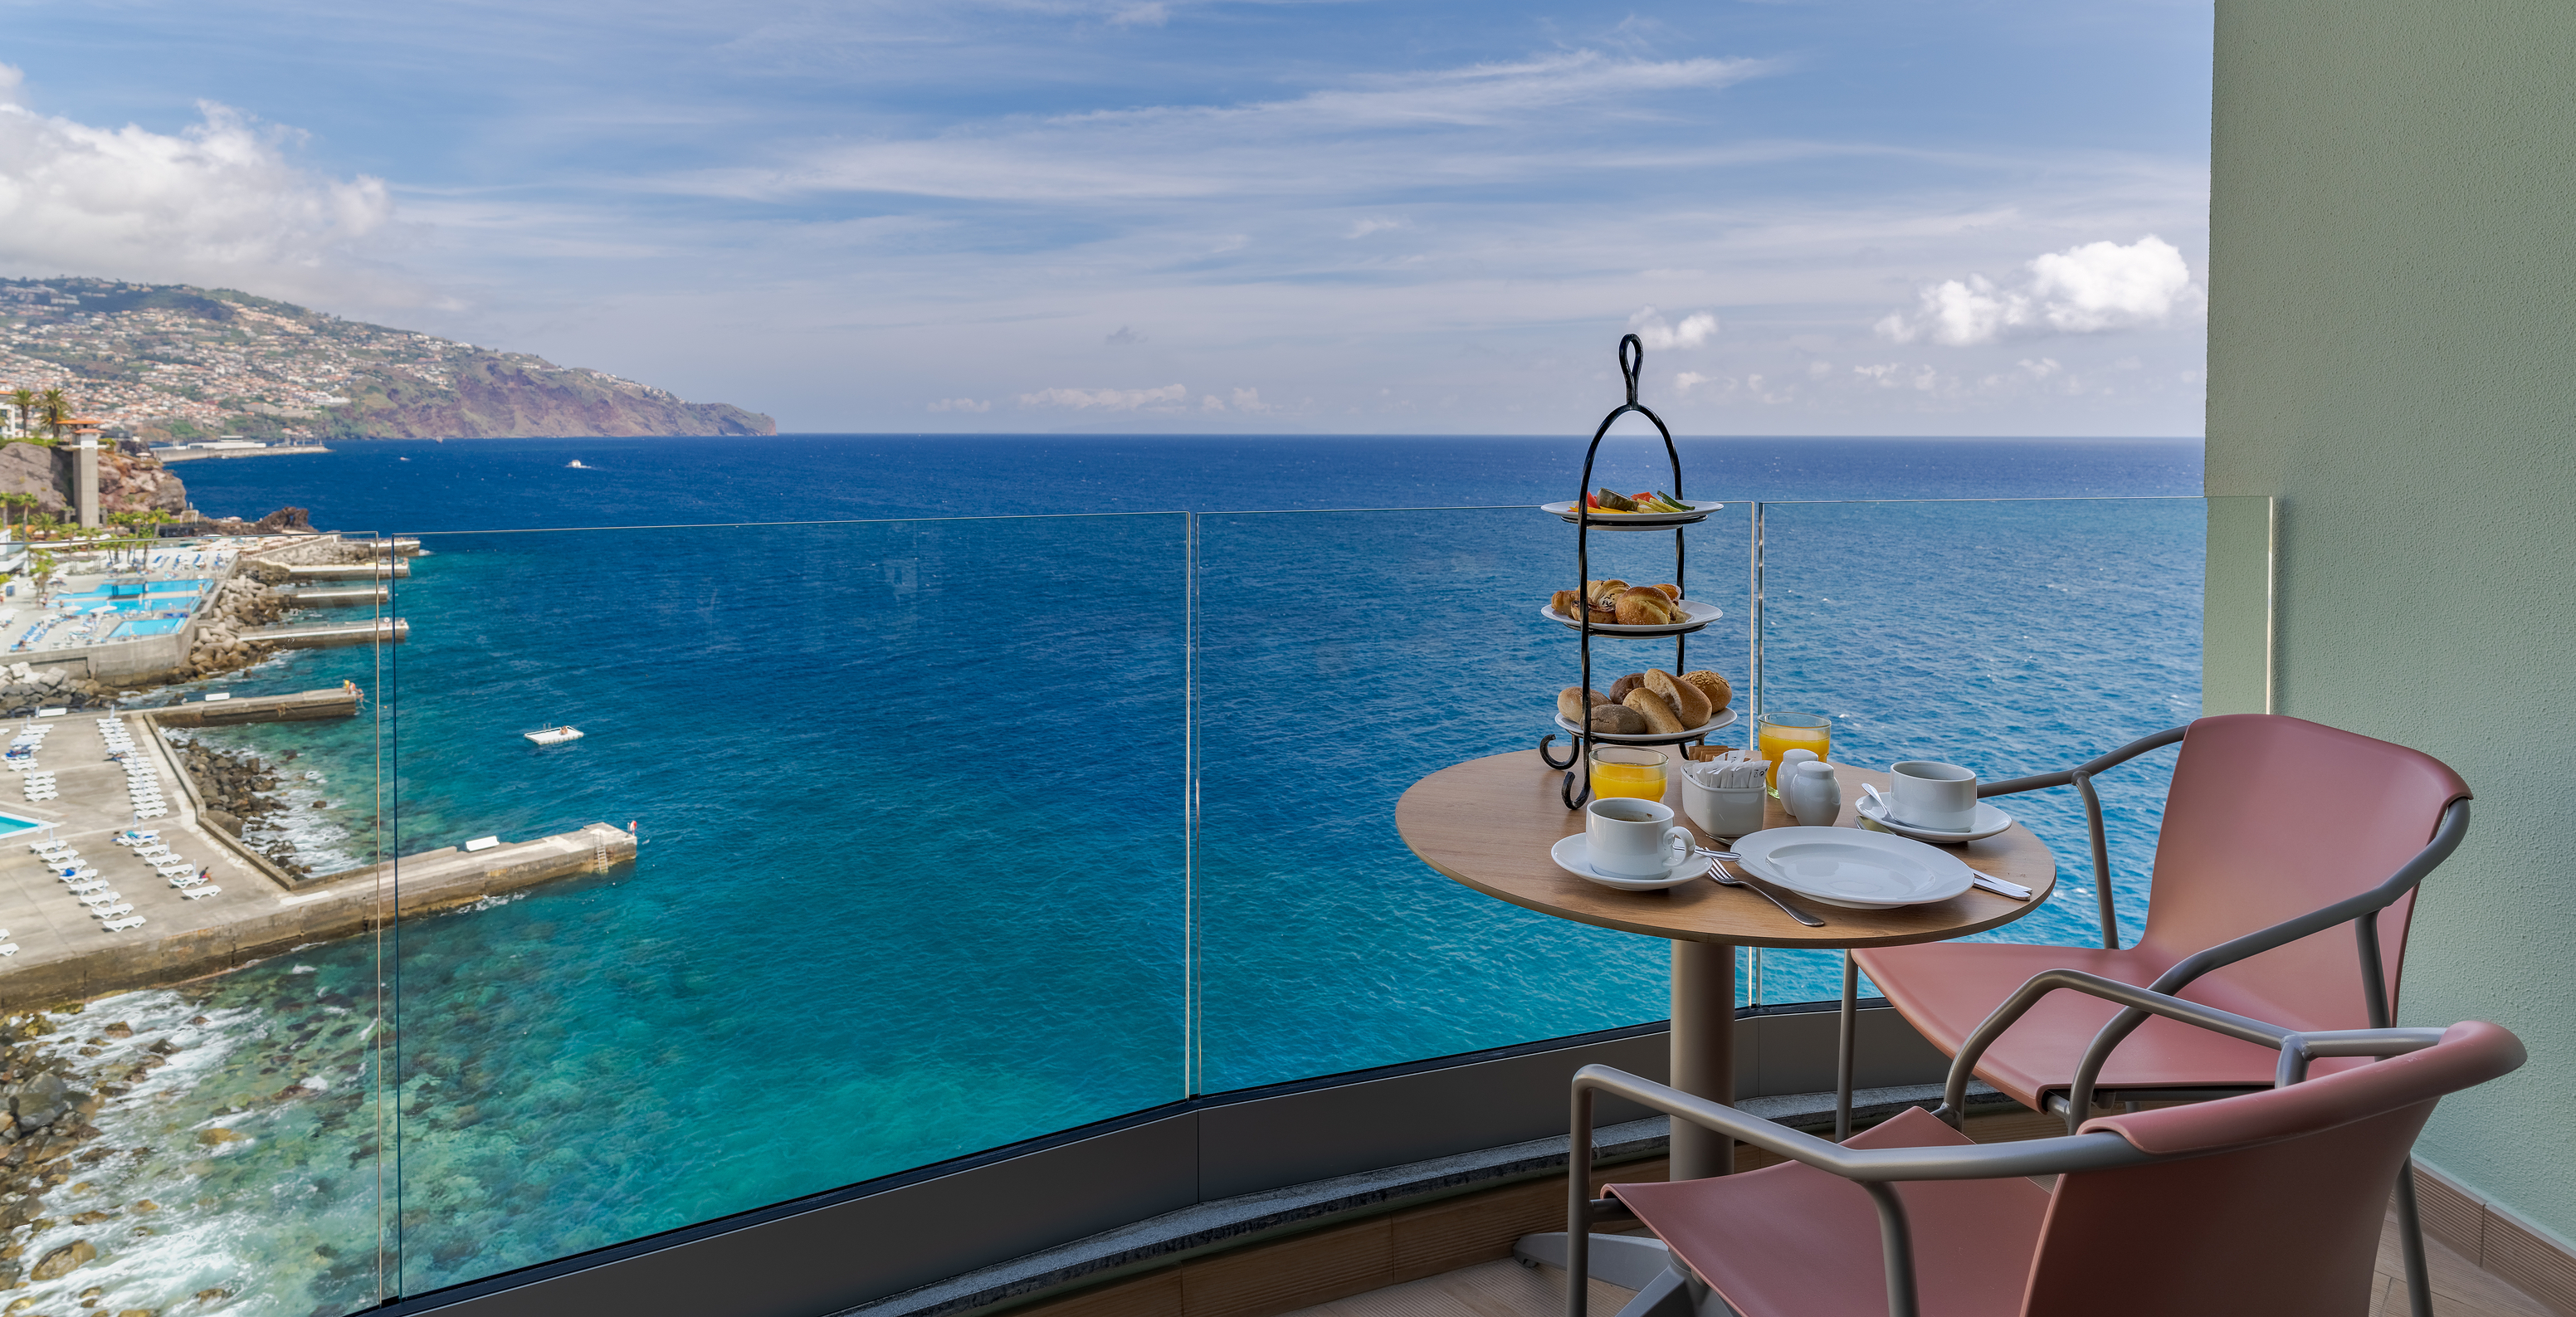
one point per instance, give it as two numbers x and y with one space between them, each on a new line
378 569
384 630
399 547
337 597
303 706
64 954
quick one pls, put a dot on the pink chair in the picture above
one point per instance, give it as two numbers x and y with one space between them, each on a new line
2265 1204
2276 832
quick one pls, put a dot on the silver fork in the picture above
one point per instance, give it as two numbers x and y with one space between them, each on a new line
1718 874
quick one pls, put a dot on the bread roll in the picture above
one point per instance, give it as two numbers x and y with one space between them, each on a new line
1656 710
1569 705
1714 686
1689 702
1604 616
1602 592
1566 604
1619 689
1644 605
1671 591
1614 719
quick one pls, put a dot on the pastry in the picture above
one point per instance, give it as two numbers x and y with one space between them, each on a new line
1566 604
1604 616
1602 592
1644 605
1714 686
1619 689
1615 720
1570 709
1657 711
1671 591
1689 702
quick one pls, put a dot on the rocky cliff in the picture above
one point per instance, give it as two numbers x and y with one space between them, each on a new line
487 395
126 482
168 361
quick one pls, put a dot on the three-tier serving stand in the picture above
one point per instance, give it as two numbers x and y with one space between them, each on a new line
1577 787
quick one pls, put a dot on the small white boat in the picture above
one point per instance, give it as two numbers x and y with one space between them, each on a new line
554 735
576 465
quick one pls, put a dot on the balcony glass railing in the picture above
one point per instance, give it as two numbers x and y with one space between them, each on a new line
949 834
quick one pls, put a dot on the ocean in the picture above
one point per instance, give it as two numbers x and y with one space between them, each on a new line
990 786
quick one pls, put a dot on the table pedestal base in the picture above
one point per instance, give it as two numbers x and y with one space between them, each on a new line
1703 1052
1631 1262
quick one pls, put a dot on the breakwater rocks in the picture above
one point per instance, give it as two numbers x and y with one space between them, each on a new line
237 788
45 1134
240 603
24 687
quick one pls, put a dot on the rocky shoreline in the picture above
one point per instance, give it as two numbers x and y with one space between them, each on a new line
237 787
47 1138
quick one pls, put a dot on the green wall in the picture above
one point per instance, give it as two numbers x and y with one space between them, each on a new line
2392 353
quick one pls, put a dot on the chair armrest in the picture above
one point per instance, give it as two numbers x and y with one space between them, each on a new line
1982 1161
1954 1091
2066 776
2081 778
2446 838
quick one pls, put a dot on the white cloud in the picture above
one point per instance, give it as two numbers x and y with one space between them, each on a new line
1115 400
1366 227
1145 15
1659 336
2042 368
1689 380
220 202
1249 400
960 405
2090 289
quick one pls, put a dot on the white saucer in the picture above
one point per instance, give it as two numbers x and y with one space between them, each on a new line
1990 821
1574 855
1852 868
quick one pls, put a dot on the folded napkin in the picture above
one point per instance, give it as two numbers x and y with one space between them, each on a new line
2003 887
1731 774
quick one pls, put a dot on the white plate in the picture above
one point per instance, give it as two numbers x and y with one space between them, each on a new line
1699 510
1694 616
1574 855
1990 821
1725 718
1851 868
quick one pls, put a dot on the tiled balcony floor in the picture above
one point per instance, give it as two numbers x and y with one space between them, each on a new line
1508 1289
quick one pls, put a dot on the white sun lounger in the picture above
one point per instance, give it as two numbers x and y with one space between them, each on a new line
8 948
113 911
103 896
120 925
201 893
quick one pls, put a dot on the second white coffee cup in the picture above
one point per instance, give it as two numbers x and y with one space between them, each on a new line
1931 794
1631 837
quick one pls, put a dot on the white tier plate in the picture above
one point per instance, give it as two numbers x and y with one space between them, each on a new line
1725 718
1694 613
1700 508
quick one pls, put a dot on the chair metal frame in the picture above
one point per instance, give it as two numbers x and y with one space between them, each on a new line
1877 1169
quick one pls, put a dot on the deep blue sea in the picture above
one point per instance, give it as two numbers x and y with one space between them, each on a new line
912 729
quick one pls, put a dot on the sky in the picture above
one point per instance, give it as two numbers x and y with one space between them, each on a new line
1847 217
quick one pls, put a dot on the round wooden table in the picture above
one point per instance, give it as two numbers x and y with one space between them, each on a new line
1488 823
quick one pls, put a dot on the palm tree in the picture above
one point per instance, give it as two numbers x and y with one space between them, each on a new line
25 401
57 410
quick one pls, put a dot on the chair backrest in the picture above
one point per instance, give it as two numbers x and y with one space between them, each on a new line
2272 817
2271 1204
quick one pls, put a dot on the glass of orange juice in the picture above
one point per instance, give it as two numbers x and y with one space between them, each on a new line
1778 733
1620 771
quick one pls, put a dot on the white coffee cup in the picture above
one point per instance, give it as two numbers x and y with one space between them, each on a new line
1934 795
1630 837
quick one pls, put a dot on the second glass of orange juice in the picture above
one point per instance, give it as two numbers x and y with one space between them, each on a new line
1619 771
1777 734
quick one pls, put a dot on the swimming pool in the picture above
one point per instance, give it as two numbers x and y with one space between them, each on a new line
150 626
121 592
11 825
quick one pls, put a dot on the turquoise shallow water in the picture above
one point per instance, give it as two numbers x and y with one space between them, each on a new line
917 878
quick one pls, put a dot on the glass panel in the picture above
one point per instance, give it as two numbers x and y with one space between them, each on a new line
908 879
218 1143
1345 655
2012 637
